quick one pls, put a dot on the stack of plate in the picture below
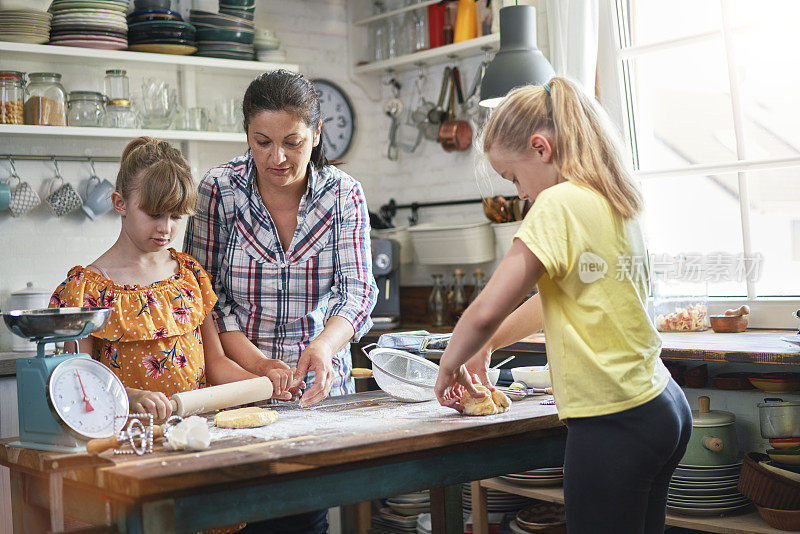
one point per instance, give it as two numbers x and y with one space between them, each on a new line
162 36
546 476
25 26
243 9
90 24
222 35
410 503
706 491
540 517
496 501
388 522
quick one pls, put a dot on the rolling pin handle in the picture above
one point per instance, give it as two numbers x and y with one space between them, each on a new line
174 404
96 446
713 444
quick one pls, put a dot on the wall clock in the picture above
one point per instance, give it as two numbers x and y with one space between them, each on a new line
339 119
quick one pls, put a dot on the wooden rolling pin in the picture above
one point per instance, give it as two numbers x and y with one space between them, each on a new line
220 397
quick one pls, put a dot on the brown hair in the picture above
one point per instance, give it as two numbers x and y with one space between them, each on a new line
160 173
586 149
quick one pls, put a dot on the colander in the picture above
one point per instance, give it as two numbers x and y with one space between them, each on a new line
402 375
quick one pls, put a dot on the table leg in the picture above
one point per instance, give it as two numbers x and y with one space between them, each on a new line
480 516
363 517
446 515
56 503
26 517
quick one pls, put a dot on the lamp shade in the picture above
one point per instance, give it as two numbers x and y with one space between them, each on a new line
518 62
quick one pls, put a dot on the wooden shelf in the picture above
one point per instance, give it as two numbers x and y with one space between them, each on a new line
440 54
120 133
749 523
78 55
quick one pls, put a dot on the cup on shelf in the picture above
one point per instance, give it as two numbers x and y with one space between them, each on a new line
227 115
195 119
97 200
159 104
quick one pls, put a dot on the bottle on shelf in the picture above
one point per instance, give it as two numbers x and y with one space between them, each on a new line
437 302
116 85
466 21
480 283
448 31
378 32
415 30
393 31
458 297
436 17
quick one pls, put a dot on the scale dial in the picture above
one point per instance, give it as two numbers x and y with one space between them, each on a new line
87 396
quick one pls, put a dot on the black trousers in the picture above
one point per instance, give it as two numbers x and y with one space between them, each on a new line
617 467
315 522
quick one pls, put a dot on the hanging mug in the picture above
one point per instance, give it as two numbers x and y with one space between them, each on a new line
5 194
97 200
63 200
23 198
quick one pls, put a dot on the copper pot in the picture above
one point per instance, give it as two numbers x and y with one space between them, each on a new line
454 134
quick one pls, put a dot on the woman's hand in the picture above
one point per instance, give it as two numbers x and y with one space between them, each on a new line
478 366
317 357
153 402
451 383
284 384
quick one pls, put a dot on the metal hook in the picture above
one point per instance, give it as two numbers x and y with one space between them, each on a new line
91 164
13 167
414 219
58 171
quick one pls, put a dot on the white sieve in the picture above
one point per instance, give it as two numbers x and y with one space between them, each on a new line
404 376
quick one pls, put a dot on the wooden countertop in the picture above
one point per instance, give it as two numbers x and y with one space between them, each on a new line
751 346
362 428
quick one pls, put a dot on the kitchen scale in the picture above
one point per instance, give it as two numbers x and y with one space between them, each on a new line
64 400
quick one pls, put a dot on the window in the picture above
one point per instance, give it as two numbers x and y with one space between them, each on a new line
712 115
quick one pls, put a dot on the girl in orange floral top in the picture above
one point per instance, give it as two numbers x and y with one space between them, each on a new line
159 339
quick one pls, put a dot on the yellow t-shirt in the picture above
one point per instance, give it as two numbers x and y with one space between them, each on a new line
603 349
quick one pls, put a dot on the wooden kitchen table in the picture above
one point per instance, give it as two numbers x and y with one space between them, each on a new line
345 450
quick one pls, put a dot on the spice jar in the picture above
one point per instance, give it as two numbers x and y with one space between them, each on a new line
119 114
86 108
12 95
47 100
116 85
680 301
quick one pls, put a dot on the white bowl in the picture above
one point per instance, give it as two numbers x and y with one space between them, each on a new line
494 374
37 5
535 376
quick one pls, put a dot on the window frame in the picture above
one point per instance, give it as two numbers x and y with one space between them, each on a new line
616 85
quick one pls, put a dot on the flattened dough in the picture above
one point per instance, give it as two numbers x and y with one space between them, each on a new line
495 402
249 417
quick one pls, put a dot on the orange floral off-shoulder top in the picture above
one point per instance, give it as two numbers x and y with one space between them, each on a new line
152 339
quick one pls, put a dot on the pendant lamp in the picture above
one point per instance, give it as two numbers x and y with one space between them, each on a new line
518 62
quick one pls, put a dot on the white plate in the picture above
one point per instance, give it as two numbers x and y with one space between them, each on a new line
705 511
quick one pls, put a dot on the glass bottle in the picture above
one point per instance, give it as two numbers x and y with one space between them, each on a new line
458 297
437 302
47 100
393 33
480 283
418 31
12 97
379 44
448 31
86 108
116 85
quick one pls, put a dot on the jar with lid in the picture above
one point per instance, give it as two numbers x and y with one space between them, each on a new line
12 97
86 108
120 114
116 85
47 100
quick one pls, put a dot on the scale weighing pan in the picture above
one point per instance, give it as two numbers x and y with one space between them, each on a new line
64 400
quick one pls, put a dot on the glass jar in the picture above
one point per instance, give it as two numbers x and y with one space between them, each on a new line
12 97
437 302
378 33
680 300
119 114
116 85
480 283
457 301
86 108
47 100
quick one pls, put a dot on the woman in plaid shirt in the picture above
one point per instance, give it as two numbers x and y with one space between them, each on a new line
285 238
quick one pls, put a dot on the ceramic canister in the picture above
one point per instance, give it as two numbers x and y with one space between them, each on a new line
30 298
713 440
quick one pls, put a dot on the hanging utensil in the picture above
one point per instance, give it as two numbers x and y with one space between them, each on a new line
472 107
454 134
393 108
438 114
420 114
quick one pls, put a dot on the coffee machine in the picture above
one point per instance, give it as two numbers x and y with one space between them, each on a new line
386 269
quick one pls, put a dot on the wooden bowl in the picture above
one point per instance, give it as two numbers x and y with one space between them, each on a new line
780 519
776 382
728 324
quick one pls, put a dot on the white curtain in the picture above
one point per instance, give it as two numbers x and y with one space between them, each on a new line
573 30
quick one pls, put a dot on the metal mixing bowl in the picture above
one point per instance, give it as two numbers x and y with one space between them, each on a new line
55 322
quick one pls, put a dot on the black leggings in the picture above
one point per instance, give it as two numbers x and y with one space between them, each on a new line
617 467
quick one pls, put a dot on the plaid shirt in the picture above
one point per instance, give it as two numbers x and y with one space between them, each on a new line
280 299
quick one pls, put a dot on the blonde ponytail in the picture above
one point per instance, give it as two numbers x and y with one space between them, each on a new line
585 146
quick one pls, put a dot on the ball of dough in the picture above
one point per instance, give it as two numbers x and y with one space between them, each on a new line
249 417
494 402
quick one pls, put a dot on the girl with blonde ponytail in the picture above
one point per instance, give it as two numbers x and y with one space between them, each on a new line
581 242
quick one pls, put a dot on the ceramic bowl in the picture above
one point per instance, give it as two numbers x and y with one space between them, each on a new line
224 34
494 374
785 456
152 4
37 5
784 443
780 519
732 381
727 324
239 3
533 376
776 382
